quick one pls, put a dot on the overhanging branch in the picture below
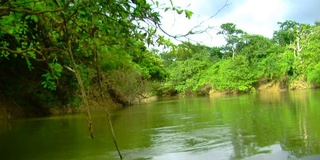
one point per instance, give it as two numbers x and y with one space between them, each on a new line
22 53
194 30
31 11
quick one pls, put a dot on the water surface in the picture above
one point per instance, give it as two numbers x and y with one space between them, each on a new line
282 125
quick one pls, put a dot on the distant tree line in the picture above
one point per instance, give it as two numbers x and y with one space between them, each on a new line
290 59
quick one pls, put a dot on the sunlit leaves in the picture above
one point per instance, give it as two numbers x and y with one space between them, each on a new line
313 75
188 14
287 32
186 64
13 24
164 41
232 36
232 75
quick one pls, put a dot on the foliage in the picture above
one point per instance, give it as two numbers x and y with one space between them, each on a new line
61 45
232 36
63 42
310 58
186 64
287 32
291 56
231 75
272 68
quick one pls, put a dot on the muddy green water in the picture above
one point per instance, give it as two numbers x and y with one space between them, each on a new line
274 126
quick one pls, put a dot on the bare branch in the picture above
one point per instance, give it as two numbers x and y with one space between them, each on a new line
194 30
224 6
69 68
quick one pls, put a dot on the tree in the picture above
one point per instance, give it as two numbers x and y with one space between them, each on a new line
310 58
290 34
232 36
287 32
257 47
186 64
231 75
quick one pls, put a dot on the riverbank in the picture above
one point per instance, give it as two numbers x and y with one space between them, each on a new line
9 109
270 87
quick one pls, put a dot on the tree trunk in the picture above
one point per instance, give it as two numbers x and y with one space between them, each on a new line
82 89
101 91
233 53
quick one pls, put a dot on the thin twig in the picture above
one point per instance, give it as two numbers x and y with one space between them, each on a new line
193 30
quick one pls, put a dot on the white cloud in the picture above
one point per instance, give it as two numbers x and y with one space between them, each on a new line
252 16
257 16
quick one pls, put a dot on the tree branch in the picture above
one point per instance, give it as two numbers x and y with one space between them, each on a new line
193 30
22 53
31 11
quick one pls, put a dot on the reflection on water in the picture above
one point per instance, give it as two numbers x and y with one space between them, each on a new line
263 126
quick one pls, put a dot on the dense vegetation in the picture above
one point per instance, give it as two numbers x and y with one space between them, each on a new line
290 59
55 53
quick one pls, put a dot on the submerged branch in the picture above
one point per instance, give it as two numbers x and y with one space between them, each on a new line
113 134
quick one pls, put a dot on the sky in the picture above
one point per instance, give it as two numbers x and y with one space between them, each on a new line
251 16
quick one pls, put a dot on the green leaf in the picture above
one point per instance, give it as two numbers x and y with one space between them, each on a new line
10 30
49 82
179 11
35 18
56 69
188 13
32 54
29 64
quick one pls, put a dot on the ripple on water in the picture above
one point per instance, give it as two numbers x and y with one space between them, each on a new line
177 143
170 141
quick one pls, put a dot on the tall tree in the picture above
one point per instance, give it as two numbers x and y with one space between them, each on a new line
287 32
232 36
257 47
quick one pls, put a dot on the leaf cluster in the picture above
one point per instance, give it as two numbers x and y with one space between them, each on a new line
101 34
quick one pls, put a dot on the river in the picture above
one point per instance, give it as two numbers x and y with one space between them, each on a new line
275 126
